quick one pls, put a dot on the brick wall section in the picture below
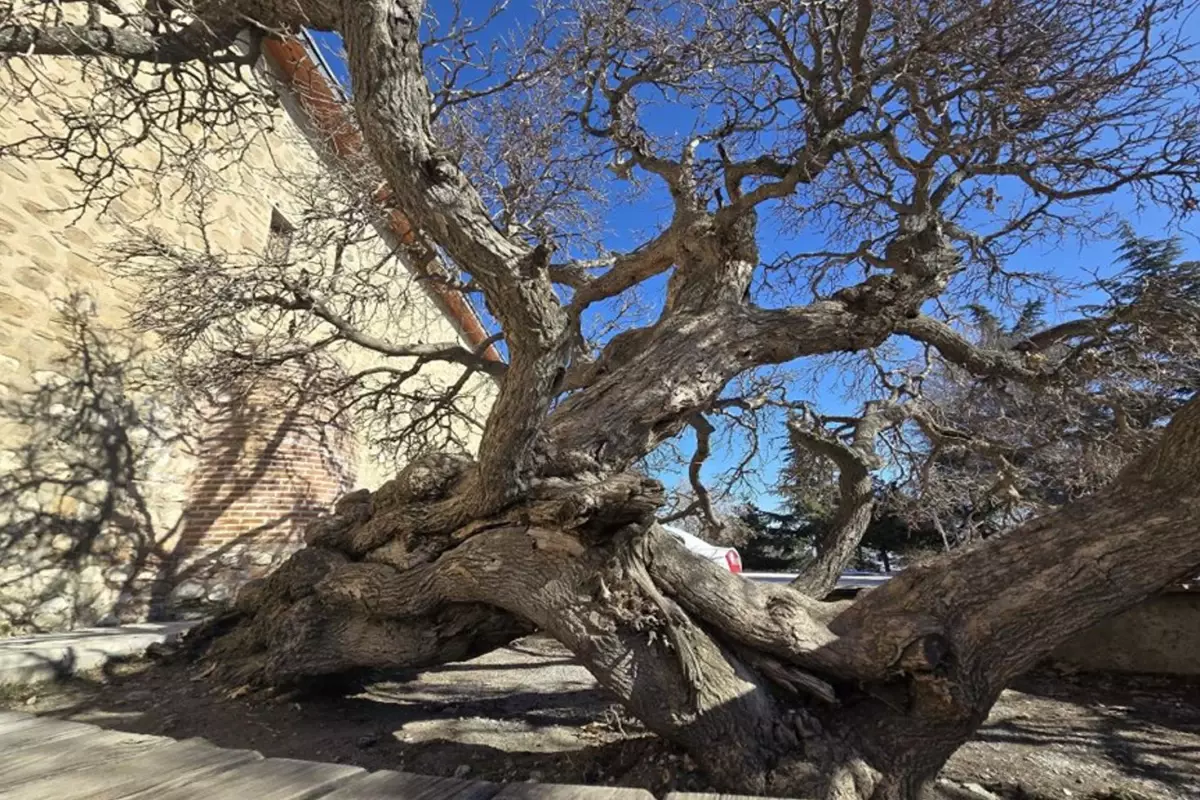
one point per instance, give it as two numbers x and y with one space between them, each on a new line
259 474
266 467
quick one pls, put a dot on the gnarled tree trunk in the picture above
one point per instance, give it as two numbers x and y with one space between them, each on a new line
548 528
831 700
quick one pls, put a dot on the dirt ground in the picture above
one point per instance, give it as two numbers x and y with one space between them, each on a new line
528 712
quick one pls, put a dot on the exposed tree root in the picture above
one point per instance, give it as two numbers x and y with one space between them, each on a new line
382 585
830 700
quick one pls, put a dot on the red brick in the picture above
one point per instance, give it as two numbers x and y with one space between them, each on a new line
259 483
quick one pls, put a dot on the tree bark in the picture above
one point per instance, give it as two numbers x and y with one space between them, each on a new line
844 701
573 560
856 492
392 103
839 541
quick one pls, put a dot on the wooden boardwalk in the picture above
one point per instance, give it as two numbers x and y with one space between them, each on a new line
43 758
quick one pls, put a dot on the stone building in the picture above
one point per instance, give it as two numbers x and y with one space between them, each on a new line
113 504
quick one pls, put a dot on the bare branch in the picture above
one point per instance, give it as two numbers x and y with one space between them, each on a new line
958 350
304 300
626 271
191 42
704 431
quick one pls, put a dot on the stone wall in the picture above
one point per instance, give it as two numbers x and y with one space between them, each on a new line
115 499
93 474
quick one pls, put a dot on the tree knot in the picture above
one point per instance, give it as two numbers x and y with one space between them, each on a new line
925 654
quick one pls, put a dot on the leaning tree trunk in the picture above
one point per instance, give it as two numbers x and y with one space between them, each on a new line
838 543
839 701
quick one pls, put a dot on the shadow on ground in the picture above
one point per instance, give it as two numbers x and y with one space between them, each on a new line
1108 737
528 712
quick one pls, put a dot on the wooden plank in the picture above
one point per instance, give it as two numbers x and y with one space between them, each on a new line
174 764
32 731
91 752
387 785
8 717
555 791
270 779
13 722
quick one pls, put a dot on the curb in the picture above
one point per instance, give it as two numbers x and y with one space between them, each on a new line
53 656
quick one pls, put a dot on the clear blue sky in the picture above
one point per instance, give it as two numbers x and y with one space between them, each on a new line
628 224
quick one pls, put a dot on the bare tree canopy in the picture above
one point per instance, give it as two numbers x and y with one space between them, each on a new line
994 453
925 146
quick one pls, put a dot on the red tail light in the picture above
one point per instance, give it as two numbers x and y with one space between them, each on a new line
733 560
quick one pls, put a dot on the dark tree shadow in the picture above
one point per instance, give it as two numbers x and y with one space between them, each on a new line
1146 727
94 497
78 540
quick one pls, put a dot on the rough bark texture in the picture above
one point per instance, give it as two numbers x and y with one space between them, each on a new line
392 102
855 459
573 559
548 529
839 542
831 700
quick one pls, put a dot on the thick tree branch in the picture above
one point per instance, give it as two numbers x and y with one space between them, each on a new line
627 270
196 41
391 97
1095 556
776 620
1057 334
652 380
958 350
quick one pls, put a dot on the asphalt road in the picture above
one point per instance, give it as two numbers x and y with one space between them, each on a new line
848 581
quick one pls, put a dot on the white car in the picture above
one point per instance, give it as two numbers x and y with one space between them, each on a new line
727 557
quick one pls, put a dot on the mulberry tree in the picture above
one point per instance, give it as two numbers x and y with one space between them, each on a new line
839 181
